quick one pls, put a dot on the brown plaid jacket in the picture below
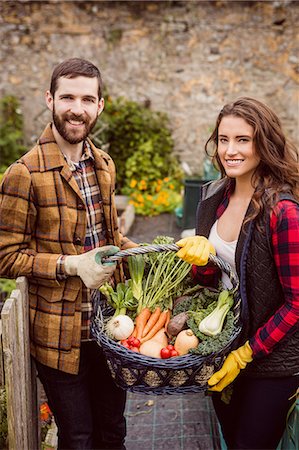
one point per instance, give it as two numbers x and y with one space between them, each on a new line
42 216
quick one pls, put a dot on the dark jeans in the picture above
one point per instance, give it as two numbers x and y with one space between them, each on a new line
256 416
88 407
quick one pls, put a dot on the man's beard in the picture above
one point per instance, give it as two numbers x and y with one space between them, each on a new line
73 136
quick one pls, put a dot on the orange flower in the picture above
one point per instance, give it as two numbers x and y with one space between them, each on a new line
133 183
45 411
142 185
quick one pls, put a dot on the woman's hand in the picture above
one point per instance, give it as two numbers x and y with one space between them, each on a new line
235 361
195 250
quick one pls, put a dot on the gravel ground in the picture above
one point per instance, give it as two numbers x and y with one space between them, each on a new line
145 229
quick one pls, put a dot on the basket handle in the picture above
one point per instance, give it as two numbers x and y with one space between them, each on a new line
142 249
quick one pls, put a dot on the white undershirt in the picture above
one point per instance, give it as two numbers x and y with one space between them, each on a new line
225 250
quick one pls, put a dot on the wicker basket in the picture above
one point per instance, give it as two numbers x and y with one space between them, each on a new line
183 374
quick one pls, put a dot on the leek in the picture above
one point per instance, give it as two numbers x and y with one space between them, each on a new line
212 324
136 269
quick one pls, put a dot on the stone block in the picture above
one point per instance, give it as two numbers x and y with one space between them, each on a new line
125 212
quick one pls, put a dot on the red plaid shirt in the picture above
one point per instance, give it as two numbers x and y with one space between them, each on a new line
284 227
95 236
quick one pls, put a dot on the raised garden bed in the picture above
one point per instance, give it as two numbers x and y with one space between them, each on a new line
125 212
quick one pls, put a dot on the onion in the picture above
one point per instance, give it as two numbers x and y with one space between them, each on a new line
120 327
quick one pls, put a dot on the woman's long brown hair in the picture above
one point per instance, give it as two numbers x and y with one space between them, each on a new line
278 170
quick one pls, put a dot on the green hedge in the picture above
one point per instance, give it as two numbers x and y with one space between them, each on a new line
139 140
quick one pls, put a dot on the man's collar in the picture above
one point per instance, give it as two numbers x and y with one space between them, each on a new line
86 154
52 156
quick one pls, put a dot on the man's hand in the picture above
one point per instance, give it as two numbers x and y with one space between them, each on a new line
89 266
235 361
195 250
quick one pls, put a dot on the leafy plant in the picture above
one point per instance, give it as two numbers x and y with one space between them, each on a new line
7 285
139 141
11 131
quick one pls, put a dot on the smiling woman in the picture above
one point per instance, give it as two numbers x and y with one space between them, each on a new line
251 219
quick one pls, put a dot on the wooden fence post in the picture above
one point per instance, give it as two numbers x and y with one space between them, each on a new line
20 377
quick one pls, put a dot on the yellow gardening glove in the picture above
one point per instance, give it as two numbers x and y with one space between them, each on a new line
195 250
232 365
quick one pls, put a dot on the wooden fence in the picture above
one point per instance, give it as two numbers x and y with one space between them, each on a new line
18 372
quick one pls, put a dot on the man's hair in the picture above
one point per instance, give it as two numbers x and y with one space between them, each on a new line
75 67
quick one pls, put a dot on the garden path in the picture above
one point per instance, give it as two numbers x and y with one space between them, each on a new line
168 422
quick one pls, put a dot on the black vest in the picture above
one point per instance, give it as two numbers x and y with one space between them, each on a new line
260 288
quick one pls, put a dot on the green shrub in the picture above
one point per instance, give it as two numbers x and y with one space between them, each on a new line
7 285
139 141
11 131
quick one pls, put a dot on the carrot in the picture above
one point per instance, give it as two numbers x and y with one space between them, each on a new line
134 334
141 320
158 325
151 321
167 319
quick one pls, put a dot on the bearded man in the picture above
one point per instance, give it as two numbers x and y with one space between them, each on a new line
58 220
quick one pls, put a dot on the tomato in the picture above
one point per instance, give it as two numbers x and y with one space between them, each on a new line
173 353
135 342
170 347
165 353
131 340
125 343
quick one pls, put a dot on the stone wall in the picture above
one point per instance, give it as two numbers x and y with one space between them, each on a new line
186 58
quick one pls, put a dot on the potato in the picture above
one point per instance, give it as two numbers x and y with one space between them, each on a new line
177 323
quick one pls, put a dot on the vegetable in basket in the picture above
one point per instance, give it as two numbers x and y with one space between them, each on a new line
185 341
131 343
160 324
213 344
165 274
154 284
168 352
136 269
147 323
121 299
119 327
177 323
153 346
197 308
213 323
